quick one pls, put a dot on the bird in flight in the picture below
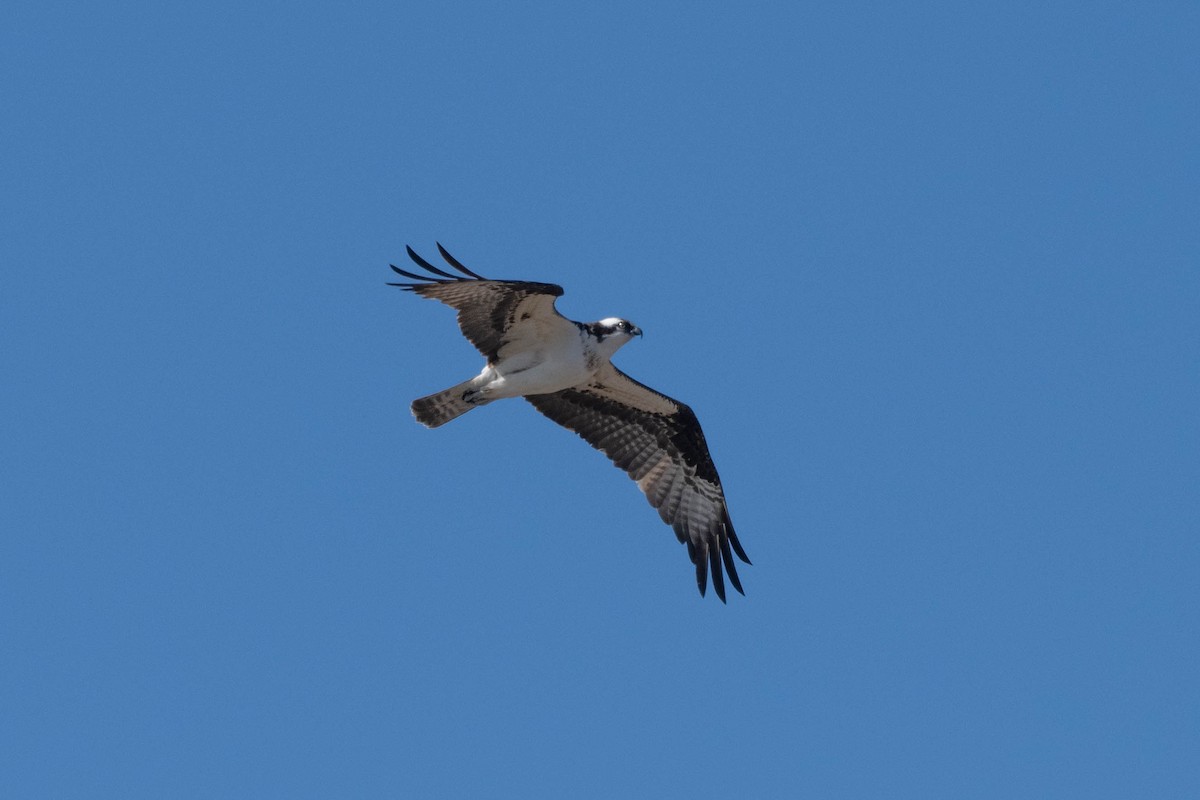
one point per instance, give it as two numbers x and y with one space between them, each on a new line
564 369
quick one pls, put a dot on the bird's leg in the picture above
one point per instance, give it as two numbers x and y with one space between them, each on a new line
475 397
483 388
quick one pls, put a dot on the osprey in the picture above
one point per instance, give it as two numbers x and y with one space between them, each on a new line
563 369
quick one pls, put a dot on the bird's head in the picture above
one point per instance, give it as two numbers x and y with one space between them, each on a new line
613 332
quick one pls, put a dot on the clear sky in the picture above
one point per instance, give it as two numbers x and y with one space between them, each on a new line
929 274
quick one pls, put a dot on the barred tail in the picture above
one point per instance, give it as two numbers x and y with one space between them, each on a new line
438 409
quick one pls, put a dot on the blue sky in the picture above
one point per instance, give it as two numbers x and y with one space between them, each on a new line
928 273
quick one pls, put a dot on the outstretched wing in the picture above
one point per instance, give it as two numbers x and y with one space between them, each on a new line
490 313
657 441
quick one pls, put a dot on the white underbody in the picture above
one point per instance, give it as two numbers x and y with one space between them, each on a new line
542 356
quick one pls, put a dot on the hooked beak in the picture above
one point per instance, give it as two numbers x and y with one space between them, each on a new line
636 331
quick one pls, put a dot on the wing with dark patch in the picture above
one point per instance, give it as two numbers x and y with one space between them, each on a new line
488 310
659 443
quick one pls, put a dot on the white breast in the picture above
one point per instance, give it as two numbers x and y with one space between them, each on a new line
548 357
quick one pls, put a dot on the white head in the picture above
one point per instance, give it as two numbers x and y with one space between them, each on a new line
611 333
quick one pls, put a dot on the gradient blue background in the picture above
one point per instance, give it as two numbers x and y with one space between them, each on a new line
928 273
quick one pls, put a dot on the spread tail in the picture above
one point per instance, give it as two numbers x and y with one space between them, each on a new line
438 409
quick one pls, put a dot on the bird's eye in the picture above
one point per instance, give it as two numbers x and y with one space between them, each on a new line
623 326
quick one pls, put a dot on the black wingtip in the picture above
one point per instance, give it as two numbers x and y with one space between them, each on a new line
424 279
435 270
454 262
413 255
731 567
705 557
733 540
714 560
